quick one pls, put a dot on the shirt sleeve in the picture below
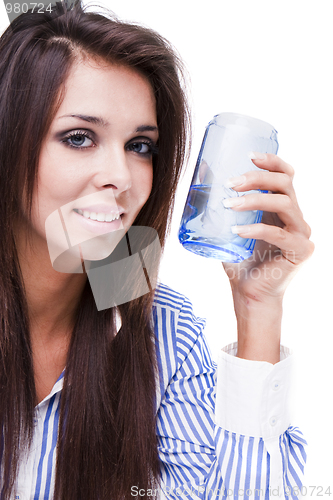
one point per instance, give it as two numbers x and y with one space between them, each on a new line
224 431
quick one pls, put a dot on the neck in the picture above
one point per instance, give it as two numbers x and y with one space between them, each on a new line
52 297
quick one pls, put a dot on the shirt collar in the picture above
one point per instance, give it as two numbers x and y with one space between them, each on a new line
56 388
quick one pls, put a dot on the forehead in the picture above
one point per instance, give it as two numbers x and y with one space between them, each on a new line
117 91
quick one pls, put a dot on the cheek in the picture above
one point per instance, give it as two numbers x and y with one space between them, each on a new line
150 182
59 174
59 183
145 181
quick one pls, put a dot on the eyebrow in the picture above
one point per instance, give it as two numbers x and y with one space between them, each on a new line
147 128
96 120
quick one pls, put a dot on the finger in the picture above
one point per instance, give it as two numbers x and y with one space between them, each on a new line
272 163
280 204
275 182
295 247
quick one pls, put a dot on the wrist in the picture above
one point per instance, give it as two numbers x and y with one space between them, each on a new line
259 328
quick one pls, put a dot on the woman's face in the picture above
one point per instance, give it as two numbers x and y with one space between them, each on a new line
95 167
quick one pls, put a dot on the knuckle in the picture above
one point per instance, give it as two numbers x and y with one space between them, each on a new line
308 231
291 171
311 247
286 182
287 202
308 248
281 233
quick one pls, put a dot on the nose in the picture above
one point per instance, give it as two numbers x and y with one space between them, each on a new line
113 170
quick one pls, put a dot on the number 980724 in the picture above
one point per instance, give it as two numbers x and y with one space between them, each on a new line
23 8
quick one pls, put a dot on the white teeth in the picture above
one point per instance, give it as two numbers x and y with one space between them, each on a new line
100 217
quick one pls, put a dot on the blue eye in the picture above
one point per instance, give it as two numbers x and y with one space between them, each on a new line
140 147
79 139
143 147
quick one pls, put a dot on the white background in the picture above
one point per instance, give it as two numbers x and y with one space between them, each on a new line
271 60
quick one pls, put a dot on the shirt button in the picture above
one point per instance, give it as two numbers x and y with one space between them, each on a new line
273 421
276 385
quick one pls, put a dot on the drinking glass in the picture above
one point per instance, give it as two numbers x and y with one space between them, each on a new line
205 227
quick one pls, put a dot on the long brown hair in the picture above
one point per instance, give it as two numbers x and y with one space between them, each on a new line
107 436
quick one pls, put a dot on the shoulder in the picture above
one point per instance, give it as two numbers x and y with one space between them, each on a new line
176 327
165 297
168 300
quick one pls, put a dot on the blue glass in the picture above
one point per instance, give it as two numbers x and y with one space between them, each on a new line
206 224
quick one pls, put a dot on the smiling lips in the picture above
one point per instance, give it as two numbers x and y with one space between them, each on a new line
100 213
100 216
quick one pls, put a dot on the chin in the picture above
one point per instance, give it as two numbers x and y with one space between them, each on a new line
70 260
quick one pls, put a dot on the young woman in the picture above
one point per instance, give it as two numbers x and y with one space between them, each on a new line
115 403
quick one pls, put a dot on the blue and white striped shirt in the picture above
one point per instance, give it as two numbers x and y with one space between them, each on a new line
223 431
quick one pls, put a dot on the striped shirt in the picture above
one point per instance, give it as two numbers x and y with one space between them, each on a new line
223 429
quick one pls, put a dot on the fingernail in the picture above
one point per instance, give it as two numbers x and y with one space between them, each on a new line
240 229
235 181
254 155
233 202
